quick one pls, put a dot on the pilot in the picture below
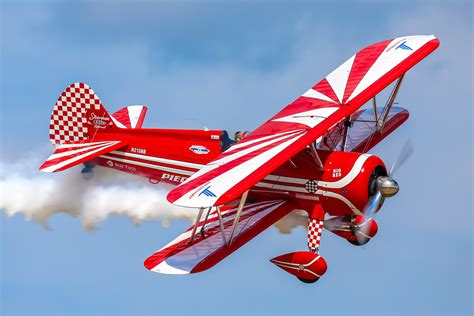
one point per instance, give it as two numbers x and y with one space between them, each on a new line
238 136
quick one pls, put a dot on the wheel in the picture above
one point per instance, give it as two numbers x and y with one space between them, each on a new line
359 243
308 281
87 173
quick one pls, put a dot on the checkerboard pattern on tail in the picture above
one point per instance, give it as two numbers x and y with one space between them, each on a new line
78 115
315 229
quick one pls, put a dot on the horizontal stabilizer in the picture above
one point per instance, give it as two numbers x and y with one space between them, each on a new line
131 116
183 255
70 154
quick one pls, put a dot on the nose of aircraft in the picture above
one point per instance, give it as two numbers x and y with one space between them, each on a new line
387 186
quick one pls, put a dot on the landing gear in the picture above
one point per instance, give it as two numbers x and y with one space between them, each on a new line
307 266
359 242
88 171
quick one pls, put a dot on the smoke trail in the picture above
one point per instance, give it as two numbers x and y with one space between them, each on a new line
38 196
24 190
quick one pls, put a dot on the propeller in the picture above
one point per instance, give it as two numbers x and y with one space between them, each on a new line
385 187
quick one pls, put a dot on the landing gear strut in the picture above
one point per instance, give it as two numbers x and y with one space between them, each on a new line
307 266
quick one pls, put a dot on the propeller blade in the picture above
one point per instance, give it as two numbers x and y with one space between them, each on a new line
403 156
369 213
373 204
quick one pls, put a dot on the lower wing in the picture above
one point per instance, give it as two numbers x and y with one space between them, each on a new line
365 132
191 254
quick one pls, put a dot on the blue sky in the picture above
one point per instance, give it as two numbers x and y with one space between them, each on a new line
232 66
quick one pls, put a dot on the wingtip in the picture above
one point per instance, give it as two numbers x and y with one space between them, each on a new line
164 268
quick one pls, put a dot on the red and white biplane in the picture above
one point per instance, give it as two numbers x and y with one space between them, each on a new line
310 156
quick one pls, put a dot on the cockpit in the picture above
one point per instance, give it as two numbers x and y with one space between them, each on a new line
226 141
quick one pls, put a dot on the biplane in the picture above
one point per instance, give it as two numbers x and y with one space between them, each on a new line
311 156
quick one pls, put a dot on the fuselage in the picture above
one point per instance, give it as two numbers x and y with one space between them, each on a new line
172 156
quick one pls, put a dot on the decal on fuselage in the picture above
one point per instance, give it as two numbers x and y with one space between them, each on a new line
174 178
311 186
199 150
138 150
118 165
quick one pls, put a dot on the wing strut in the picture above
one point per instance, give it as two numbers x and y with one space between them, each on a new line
237 216
374 106
388 106
198 218
347 124
219 214
316 156
205 220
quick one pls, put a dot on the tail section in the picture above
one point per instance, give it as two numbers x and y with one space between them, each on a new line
68 155
78 115
81 129
131 116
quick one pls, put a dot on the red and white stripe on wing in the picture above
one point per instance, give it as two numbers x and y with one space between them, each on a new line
182 256
338 95
70 154
232 167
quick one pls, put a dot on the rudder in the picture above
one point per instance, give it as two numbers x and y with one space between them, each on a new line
78 115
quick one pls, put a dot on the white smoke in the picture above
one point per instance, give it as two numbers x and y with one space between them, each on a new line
25 190
38 196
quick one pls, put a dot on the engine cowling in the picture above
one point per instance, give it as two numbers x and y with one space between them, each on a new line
348 181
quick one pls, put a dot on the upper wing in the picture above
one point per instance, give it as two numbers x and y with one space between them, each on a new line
182 256
306 119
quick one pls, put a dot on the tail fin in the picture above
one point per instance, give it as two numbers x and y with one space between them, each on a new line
131 116
76 127
78 115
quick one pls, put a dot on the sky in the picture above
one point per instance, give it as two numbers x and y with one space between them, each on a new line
231 66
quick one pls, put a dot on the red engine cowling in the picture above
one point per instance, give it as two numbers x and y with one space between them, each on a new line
348 181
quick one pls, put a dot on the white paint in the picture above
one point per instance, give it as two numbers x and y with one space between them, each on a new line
310 118
117 123
73 152
389 59
165 268
314 94
157 159
338 78
354 172
134 112
245 142
74 159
